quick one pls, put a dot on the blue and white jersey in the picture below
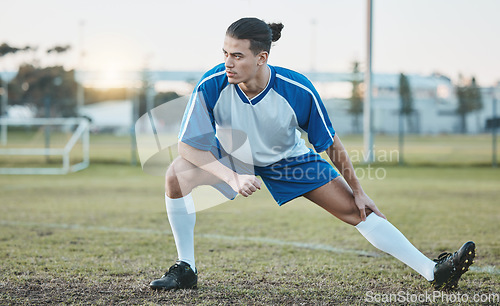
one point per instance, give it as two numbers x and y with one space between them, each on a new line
271 120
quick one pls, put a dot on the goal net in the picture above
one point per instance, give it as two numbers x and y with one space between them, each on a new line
43 145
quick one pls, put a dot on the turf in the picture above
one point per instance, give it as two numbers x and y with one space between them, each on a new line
99 236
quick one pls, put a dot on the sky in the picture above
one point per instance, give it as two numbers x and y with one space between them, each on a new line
450 37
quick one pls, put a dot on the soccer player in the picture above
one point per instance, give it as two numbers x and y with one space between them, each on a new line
269 105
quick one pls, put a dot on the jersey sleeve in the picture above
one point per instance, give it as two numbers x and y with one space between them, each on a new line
318 126
198 125
310 111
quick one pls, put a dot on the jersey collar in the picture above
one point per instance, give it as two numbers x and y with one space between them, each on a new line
262 94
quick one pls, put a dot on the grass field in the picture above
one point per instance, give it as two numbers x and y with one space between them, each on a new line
101 235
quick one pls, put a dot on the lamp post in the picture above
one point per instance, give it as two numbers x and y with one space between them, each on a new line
80 98
494 132
367 109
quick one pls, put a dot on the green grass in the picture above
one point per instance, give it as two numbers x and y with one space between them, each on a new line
439 150
99 236
425 150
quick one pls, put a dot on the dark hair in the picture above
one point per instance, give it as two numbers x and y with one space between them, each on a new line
260 33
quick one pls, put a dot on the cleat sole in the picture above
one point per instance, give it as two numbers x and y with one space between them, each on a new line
463 266
462 260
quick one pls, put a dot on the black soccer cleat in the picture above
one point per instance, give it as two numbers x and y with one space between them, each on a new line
450 267
179 276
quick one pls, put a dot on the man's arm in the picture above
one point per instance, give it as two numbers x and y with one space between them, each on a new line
243 184
341 160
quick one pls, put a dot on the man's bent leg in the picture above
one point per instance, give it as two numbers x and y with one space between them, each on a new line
336 197
182 219
181 178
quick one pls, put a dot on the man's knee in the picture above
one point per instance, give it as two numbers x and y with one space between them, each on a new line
172 183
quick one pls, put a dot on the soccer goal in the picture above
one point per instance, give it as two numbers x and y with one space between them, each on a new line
43 145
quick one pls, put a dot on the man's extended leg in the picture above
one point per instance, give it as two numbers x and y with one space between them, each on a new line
444 273
336 197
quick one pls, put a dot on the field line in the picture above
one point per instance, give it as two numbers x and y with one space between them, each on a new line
263 240
302 245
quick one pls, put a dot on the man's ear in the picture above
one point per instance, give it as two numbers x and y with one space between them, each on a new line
262 58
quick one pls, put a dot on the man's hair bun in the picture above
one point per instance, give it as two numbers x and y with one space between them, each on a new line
276 30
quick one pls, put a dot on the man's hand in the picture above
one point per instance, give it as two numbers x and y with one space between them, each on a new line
245 184
362 202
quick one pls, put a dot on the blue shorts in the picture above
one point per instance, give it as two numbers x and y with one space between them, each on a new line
286 179
293 177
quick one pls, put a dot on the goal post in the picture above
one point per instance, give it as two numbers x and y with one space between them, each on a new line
80 133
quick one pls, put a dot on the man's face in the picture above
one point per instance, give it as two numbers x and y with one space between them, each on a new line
241 64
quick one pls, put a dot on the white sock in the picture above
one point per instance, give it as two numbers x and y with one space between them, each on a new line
182 218
385 237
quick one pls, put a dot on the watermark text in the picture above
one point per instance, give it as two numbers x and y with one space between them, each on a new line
432 297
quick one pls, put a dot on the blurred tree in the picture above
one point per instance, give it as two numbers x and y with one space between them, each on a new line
2 103
6 49
356 99
163 97
33 86
148 98
405 110
59 49
469 100
461 91
145 96
476 100
405 95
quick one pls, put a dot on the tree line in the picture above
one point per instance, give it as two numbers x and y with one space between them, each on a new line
52 91
467 91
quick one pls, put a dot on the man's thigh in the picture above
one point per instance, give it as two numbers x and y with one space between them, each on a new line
336 197
182 176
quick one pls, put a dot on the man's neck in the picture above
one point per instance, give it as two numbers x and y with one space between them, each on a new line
258 84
